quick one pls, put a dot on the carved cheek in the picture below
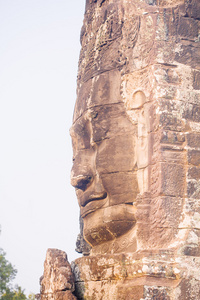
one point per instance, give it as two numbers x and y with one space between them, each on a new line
122 187
116 154
116 166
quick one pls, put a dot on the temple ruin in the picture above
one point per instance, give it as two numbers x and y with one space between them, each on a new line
136 164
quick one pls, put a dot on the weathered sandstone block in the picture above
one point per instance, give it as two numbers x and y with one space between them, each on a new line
57 282
136 147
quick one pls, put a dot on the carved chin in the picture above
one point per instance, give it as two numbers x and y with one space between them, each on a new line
108 223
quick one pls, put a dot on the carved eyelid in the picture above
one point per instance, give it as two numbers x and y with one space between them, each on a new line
78 126
81 126
75 130
71 131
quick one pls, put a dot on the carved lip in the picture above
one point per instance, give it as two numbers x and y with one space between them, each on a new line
93 197
94 202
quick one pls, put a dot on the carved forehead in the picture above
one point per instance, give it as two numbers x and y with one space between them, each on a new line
100 90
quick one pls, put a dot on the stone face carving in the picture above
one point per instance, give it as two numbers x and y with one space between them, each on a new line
132 80
135 138
136 144
104 171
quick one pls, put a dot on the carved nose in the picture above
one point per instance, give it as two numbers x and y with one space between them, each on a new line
81 181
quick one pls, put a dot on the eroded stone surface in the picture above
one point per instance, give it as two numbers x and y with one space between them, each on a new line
57 282
142 275
136 145
135 128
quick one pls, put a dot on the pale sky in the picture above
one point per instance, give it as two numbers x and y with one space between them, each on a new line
39 49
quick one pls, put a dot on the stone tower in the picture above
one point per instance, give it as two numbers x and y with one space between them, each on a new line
136 144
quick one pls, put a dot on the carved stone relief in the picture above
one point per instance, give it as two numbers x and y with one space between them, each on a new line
136 136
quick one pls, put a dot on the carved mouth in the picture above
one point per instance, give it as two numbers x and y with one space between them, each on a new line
95 197
94 202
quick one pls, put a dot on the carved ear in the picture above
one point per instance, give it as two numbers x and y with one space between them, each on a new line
137 100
